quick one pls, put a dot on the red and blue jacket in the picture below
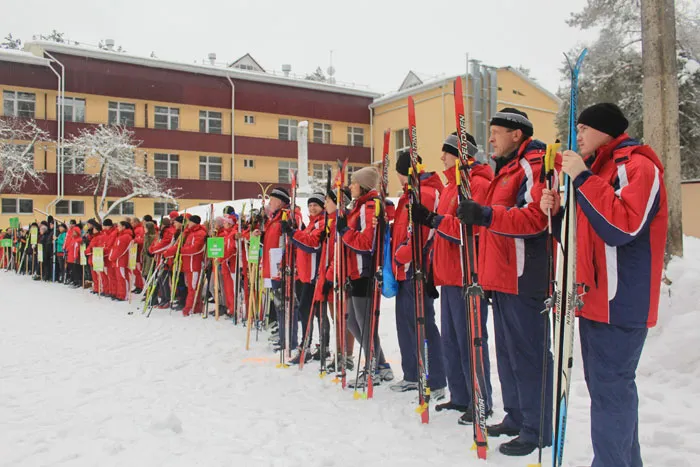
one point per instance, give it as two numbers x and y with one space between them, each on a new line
359 237
447 246
513 245
326 264
119 253
273 244
401 242
308 245
622 222
193 248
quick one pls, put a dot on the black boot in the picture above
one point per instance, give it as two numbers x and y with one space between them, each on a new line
467 417
451 406
516 447
501 429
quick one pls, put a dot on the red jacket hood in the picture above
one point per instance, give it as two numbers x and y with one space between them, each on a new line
605 152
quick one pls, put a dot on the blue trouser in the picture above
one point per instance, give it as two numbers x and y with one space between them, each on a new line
610 358
406 331
457 348
520 342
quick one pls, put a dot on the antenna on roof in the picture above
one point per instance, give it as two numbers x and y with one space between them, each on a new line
331 70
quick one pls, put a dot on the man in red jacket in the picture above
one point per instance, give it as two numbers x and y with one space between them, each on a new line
73 256
119 259
110 276
448 274
192 257
139 236
622 222
96 241
402 251
513 265
229 261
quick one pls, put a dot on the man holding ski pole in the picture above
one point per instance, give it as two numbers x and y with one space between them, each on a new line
622 222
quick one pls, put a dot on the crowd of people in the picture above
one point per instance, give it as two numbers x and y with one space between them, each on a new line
621 230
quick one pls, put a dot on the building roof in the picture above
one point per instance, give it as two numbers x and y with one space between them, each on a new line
20 56
411 80
248 59
38 47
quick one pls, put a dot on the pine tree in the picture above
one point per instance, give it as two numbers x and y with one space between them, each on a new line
11 43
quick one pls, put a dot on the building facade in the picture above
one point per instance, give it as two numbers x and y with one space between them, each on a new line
211 133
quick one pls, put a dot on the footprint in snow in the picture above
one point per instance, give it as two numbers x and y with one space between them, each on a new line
171 422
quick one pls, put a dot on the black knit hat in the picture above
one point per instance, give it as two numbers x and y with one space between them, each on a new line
125 224
605 117
451 143
317 198
229 210
280 193
179 219
513 119
334 197
195 219
148 218
93 223
403 162
107 223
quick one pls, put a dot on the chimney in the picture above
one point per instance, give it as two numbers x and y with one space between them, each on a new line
212 58
286 69
109 43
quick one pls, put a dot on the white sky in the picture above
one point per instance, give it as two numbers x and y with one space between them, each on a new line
375 42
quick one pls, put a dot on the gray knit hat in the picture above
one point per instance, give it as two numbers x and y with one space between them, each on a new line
513 119
367 177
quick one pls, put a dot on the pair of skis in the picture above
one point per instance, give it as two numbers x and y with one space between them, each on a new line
289 282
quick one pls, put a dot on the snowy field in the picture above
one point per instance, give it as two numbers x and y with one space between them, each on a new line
82 383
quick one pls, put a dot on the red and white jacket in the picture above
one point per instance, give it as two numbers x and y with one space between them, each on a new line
308 245
358 237
273 244
401 242
73 249
325 265
139 234
119 253
193 248
110 234
622 223
165 242
97 241
447 263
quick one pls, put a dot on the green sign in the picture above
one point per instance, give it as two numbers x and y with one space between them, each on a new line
133 251
33 234
83 259
40 252
6 243
98 259
215 247
254 249
14 222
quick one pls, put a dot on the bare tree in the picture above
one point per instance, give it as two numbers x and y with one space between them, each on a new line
17 140
11 43
111 150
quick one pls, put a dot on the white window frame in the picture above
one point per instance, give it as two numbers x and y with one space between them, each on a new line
322 133
171 160
209 162
355 132
249 119
161 208
172 117
69 103
71 204
121 110
73 164
283 168
249 163
319 172
18 206
290 126
206 117
399 139
245 66
120 209
16 98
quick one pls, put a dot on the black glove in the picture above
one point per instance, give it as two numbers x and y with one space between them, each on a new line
471 213
150 255
431 290
341 224
287 227
323 236
327 287
423 215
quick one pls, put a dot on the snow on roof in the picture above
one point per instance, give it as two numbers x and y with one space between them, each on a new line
20 56
393 96
38 47
534 83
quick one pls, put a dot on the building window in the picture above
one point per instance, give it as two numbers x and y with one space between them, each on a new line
125 209
17 206
70 207
249 119
209 122
322 133
73 109
166 118
73 164
402 141
163 209
245 66
166 165
356 136
288 129
351 170
19 104
319 172
209 168
283 168
122 113
248 163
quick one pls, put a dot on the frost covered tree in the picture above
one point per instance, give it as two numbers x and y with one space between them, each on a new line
613 70
317 75
17 140
11 43
111 151
54 36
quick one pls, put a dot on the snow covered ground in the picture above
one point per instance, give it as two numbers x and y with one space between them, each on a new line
82 383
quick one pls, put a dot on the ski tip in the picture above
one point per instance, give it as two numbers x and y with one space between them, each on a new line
422 408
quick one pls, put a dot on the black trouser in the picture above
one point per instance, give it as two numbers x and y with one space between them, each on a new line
76 273
305 292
